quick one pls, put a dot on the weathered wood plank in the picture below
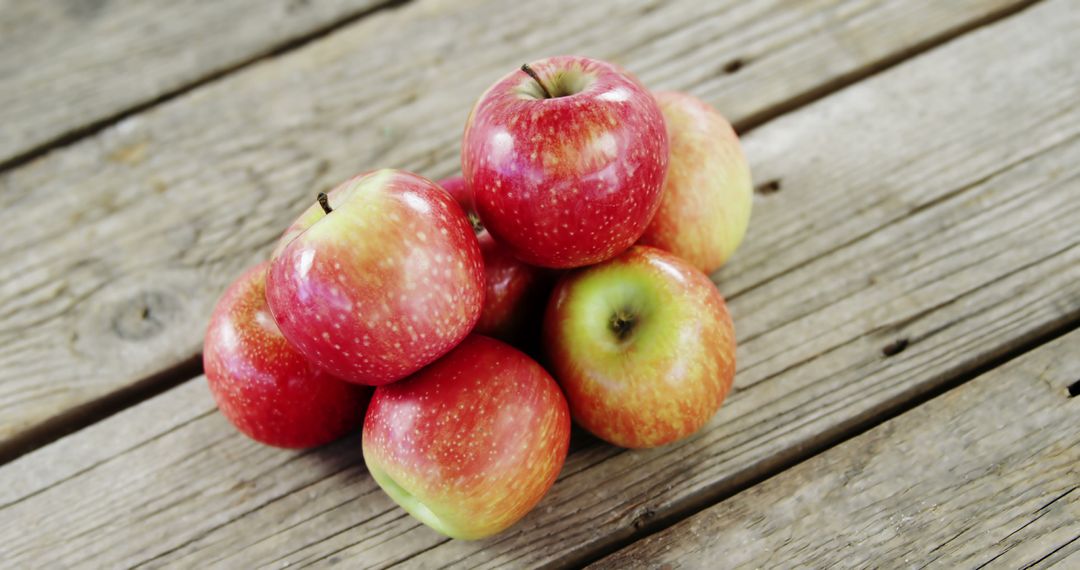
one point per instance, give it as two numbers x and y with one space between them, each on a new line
72 456
118 246
1003 267
988 472
983 256
69 65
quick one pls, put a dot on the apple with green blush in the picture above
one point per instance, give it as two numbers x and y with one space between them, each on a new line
379 278
708 194
471 443
643 345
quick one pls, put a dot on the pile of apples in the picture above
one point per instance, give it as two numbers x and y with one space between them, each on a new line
589 213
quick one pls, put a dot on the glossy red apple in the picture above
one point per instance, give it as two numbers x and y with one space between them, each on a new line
566 165
380 280
264 386
708 193
471 443
516 292
643 345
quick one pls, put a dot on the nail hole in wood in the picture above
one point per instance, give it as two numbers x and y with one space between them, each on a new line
144 316
895 347
644 517
770 187
734 65
1074 389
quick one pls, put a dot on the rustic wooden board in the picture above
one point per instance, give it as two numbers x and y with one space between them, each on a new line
1002 268
70 65
988 472
72 456
118 246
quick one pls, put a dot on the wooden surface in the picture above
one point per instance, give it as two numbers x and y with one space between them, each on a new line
918 166
998 480
963 243
68 66
150 219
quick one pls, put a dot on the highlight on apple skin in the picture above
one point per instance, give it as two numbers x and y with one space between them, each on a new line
471 443
262 385
708 195
643 345
516 292
567 167
379 281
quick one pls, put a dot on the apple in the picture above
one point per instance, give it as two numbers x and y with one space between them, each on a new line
380 278
566 158
516 292
264 386
471 443
643 346
708 193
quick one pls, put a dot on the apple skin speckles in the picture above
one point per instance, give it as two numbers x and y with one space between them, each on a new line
395 264
708 193
571 180
516 292
661 374
471 443
263 385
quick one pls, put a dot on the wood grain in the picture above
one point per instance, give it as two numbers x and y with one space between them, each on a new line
989 472
984 259
72 64
113 279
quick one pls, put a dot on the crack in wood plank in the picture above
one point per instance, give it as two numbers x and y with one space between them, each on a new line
74 419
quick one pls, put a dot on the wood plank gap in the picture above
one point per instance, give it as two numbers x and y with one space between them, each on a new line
98 409
102 461
842 81
952 194
74 135
887 496
832 438
1052 552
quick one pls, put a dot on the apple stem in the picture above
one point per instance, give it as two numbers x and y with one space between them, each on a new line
474 220
324 202
531 73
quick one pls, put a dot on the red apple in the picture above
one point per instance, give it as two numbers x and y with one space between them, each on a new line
708 194
471 443
379 280
516 292
567 165
643 345
264 386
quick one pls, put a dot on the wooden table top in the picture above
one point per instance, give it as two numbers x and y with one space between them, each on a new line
906 301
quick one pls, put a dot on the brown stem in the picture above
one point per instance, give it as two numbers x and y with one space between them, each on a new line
531 73
474 220
324 202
